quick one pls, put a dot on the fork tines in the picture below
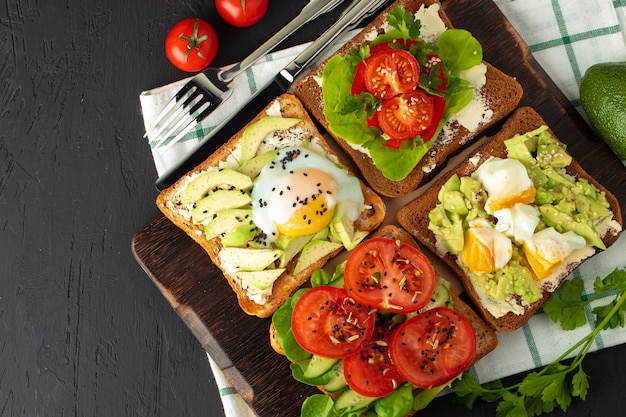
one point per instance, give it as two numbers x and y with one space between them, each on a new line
189 106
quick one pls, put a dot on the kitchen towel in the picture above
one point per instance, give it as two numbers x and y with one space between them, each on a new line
566 37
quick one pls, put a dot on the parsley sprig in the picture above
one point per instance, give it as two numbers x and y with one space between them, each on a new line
556 384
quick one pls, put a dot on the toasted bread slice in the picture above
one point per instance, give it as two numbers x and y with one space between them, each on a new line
414 216
501 93
170 203
486 339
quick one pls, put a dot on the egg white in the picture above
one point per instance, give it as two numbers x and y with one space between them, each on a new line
276 188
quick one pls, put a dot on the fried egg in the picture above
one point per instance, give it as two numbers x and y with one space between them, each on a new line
518 222
299 191
485 249
506 182
547 249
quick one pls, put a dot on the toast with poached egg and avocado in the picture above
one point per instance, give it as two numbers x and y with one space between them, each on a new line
272 205
514 219
407 337
406 93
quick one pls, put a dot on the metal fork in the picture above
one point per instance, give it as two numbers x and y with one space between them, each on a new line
201 95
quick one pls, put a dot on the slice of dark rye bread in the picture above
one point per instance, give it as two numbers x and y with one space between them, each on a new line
486 339
414 216
170 199
501 93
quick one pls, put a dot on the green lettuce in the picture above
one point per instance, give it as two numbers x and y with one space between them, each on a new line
458 51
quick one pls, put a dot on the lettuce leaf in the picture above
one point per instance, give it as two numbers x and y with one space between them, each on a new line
458 50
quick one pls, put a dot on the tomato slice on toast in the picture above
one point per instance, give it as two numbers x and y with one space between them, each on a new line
328 322
389 275
433 347
371 371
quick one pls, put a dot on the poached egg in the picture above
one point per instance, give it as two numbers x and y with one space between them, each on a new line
506 182
299 191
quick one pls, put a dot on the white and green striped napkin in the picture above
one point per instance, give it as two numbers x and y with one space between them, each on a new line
566 37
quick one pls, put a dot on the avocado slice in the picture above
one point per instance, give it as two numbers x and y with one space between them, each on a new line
247 259
224 178
313 251
261 280
256 132
218 200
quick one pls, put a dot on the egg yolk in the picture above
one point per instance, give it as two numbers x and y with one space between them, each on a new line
476 255
541 266
313 199
525 197
485 250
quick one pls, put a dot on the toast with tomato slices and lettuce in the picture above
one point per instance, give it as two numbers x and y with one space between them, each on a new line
277 168
406 93
383 332
514 219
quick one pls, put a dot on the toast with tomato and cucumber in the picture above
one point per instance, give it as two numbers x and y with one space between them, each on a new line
384 331
272 205
514 219
405 94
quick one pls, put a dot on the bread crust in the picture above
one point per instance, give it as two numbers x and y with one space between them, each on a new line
501 93
414 216
169 199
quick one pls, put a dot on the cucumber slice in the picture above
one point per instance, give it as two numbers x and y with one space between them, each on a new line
338 380
350 401
440 298
319 365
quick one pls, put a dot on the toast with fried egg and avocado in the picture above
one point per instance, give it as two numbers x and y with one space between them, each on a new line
384 351
405 94
514 219
272 205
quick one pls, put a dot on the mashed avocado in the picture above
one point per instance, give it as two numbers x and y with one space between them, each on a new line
563 202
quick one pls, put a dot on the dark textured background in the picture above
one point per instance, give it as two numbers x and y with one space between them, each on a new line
83 331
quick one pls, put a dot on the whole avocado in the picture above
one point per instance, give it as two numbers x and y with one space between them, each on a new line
603 97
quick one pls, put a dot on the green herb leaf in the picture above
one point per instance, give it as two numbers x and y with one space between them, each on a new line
403 21
566 305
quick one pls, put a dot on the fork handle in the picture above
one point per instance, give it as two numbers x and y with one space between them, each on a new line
311 11
351 17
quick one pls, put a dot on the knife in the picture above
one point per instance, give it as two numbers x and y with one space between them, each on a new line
353 15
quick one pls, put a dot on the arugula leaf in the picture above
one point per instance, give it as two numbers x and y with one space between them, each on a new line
566 305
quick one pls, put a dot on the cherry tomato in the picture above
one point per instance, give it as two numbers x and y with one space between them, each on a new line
371 371
191 45
327 322
358 84
407 115
242 13
389 275
392 73
433 347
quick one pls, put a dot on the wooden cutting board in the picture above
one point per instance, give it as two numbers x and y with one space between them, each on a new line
239 343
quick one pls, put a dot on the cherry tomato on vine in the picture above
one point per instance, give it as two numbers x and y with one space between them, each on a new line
433 347
191 45
242 13
389 275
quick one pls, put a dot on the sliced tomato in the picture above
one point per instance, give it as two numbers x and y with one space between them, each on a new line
358 84
439 106
389 275
327 322
433 347
371 371
407 115
391 73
